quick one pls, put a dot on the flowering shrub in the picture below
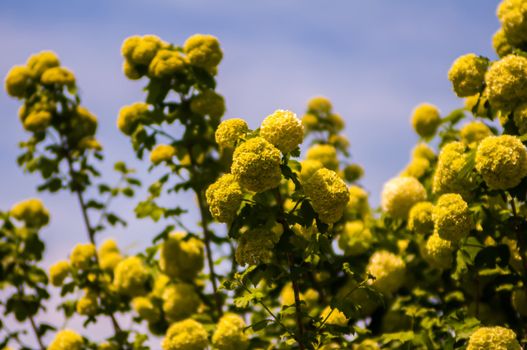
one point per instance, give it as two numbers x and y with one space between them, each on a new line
288 253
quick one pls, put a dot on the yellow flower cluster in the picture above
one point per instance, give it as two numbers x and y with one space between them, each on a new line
467 74
58 76
283 129
438 252
287 296
130 276
229 334
452 220
180 300
109 255
426 120
87 305
506 82
230 131
166 63
355 238
336 317
67 340
501 161
319 104
352 172
185 335
420 218
358 206
58 272
82 256
388 269
162 153
447 176
41 62
328 193
146 309
209 103
256 165
83 124
255 247
500 43
18 81
472 133
131 116
422 150
203 51
308 168
325 154
224 197
493 338
37 120
181 257
32 212
417 168
513 17
400 194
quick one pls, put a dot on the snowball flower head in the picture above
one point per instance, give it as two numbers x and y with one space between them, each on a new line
58 76
166 63
255 247
400 194
420 218
388 270
416 168
181 257
32 212
506 82
326 154
452 220
230 131
18 81
82 256
308 168
185 335
141 50
422 150
87 304
283 129
501 161
109 255
162 153
450 164
131 116
467 74
58 272
224 198
426 120
319 105
473 132
229 334
493 338
40 62
203 51
180 300
438 252
500 43
353 172
83 123
209 103
37 121
67 340
328 193
130 276
355 239
513 17
146 309
256 165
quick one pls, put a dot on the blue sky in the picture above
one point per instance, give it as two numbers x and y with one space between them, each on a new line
374 59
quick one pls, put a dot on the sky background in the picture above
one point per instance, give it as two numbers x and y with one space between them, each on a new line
374 59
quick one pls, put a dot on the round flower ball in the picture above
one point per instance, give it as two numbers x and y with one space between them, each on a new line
353 172
166 63
355 239
32 212
230 334
308 168
420 218
180 300
42 61
501 161
326 154
256 165
162 153
131 116
18 81
500 43
467 74
209 103
109 255
185 335
506 82
130 277
58 76
328 193
513 17
452 220
426 120
450 164
181 257
473 132
224 198
230 131
67 340
438 252
37 121
58 272
319 105
146 309
417 168
255 247
82 256
422 150
493 338
283 129
141 50
388 269
88 304
203 51
400 194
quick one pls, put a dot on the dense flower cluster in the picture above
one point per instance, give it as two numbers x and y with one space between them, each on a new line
180 301
230 334
162 153
224 198
400 194
230 131
473 132
181 256
283 129
493 338
82 256
130 276
325 154
58 272
506 82
255 247
355 239
448 174
67 340
420 218
426 120
32 212
438 252
185 335
388 270
467 74
452 220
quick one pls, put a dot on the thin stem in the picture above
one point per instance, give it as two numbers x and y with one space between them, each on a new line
297 303
33 323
